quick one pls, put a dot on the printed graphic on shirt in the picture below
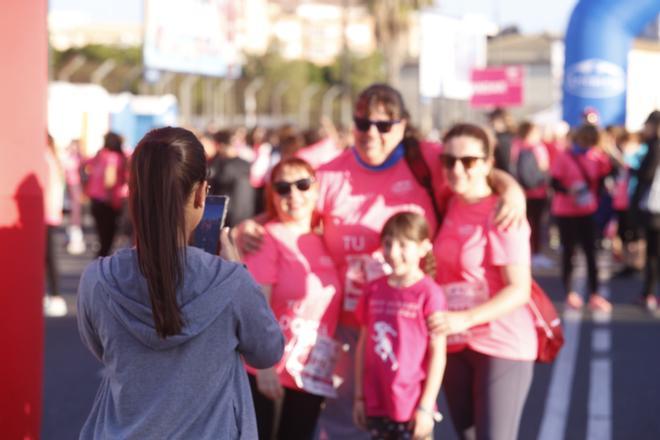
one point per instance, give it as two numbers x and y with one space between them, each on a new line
464 296
383 346
360 270
311 363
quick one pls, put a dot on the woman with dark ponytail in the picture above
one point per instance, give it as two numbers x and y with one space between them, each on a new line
171 322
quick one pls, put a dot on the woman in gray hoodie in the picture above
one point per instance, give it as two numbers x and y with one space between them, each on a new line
169 322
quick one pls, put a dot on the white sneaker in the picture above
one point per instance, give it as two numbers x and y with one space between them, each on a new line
76 244
540 261
54 306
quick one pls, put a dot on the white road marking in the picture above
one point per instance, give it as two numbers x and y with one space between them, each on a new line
599 424
599 409
558 401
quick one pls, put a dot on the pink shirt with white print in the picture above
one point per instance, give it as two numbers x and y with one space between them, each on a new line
470 252
355 202
565 168
395 361
305 296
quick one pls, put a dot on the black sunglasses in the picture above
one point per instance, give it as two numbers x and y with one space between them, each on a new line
449 161
284 188
363 124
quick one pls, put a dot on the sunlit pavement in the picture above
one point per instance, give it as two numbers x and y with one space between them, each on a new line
605 385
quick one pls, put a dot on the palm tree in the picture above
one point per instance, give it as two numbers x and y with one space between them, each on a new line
391 20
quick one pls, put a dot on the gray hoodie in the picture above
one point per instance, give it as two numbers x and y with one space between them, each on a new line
189 386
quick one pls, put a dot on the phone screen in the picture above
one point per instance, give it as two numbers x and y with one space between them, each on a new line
207 233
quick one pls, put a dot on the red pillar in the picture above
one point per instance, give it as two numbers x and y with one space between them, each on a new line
23 92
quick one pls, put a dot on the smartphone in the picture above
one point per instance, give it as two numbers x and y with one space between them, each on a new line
207 233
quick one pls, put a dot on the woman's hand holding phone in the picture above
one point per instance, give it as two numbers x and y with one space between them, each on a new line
228 250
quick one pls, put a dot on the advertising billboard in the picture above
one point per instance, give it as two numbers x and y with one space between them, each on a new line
450 49
195 36
497 86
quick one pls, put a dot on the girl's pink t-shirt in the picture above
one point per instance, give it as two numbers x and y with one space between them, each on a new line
596 164
470 252
542 156
305 296
395 361
95 188
355 202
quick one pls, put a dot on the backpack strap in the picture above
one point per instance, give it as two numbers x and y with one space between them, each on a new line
420 169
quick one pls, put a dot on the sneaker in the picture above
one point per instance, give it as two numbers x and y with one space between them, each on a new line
574 301
651 303
54 306
76 245
540 261
599 304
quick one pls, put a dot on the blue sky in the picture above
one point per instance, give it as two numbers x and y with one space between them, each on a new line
531 16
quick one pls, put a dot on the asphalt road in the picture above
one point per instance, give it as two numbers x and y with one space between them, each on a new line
605 384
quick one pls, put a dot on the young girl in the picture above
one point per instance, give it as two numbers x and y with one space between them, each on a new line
398 367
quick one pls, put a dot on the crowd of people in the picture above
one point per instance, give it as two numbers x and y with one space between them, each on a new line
382 268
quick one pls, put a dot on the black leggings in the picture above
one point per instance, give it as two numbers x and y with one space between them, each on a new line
652 268
573 232
300 412
105 217
52 275
535 210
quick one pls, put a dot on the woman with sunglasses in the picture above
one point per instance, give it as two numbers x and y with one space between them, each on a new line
300 282
171 323
359 191
491 338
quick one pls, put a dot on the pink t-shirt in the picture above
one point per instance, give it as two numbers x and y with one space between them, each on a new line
395 362
540 152
319 153
470 251
305 295
565 169
97 166
355 203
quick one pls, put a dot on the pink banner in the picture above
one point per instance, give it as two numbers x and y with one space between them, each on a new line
497 87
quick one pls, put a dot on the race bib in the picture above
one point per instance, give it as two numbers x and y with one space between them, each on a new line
465 296
360 270
311 363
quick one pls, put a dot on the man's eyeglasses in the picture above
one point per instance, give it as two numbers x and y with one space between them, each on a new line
449 161
363 124
283 188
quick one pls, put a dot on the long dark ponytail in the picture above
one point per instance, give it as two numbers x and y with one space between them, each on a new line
166 165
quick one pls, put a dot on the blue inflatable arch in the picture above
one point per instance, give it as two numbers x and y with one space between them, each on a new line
598 38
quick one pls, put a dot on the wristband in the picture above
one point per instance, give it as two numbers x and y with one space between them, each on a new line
435 415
